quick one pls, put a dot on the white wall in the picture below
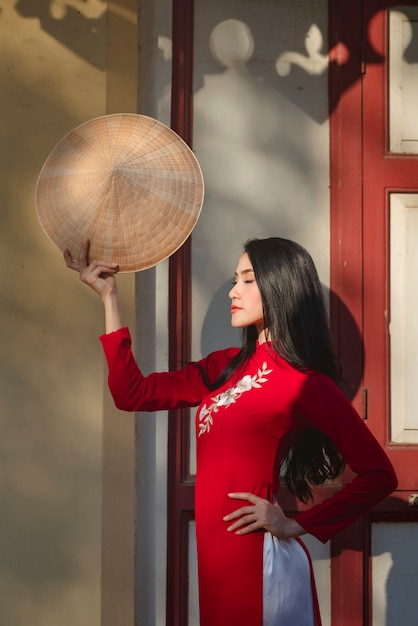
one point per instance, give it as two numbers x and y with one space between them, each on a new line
263 147
394 573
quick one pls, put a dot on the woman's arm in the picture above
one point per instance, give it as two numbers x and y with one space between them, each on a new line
324 407
321 404
131 390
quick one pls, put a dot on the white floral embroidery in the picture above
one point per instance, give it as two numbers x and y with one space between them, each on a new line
228 397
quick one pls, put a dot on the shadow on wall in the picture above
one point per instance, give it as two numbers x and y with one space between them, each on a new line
300 58
77 24
217 332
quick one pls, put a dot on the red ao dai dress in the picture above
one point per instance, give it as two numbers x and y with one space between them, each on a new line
243 431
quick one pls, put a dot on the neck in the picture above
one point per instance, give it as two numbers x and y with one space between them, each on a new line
263 335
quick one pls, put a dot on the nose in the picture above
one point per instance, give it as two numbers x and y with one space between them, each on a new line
234 292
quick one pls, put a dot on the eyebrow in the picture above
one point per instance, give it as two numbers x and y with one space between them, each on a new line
249 271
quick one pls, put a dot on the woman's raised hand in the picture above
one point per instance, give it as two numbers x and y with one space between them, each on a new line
99 275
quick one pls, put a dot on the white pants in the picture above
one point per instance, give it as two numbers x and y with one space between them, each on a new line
287 584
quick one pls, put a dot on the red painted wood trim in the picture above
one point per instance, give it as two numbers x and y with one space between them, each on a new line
183 572
182 123
182 69
180 495
359 267
347 591
345 187
383 173
345 97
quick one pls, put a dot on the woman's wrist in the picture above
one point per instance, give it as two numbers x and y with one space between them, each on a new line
110 294
291 529
113 317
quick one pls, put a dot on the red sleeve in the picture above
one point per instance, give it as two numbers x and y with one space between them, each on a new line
132 391
324 407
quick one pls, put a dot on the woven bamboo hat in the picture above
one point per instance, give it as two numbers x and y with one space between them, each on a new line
126 182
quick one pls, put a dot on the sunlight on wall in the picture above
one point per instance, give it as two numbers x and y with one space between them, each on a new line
59 9
50 392
394 573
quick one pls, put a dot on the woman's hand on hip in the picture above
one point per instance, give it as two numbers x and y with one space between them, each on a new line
261 514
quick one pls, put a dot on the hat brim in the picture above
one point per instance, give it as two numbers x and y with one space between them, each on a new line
126 182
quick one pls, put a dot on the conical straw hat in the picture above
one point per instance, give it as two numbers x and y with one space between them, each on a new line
126 182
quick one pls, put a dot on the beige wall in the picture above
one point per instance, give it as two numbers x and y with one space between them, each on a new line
61 64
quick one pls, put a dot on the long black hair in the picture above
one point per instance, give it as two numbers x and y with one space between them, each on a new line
297 326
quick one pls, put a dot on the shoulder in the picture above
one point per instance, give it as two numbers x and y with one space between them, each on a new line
306 387
212 366
318 385
216 361
324 406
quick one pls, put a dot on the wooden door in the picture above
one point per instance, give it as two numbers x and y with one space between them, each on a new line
374 191
180 480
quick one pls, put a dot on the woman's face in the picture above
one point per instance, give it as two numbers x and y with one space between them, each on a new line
246 306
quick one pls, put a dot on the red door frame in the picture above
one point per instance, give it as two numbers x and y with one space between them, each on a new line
345 94
363 172
180 486
362 175
383 173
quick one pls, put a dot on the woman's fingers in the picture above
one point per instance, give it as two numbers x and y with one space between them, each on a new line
246 495
244 510
83 259
99 275
86 269
262 514
247 522
97 271
69 261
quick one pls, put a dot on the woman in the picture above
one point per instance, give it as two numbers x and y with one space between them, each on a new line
273 403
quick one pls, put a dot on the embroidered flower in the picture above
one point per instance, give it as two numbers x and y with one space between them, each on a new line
228 397
245 384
